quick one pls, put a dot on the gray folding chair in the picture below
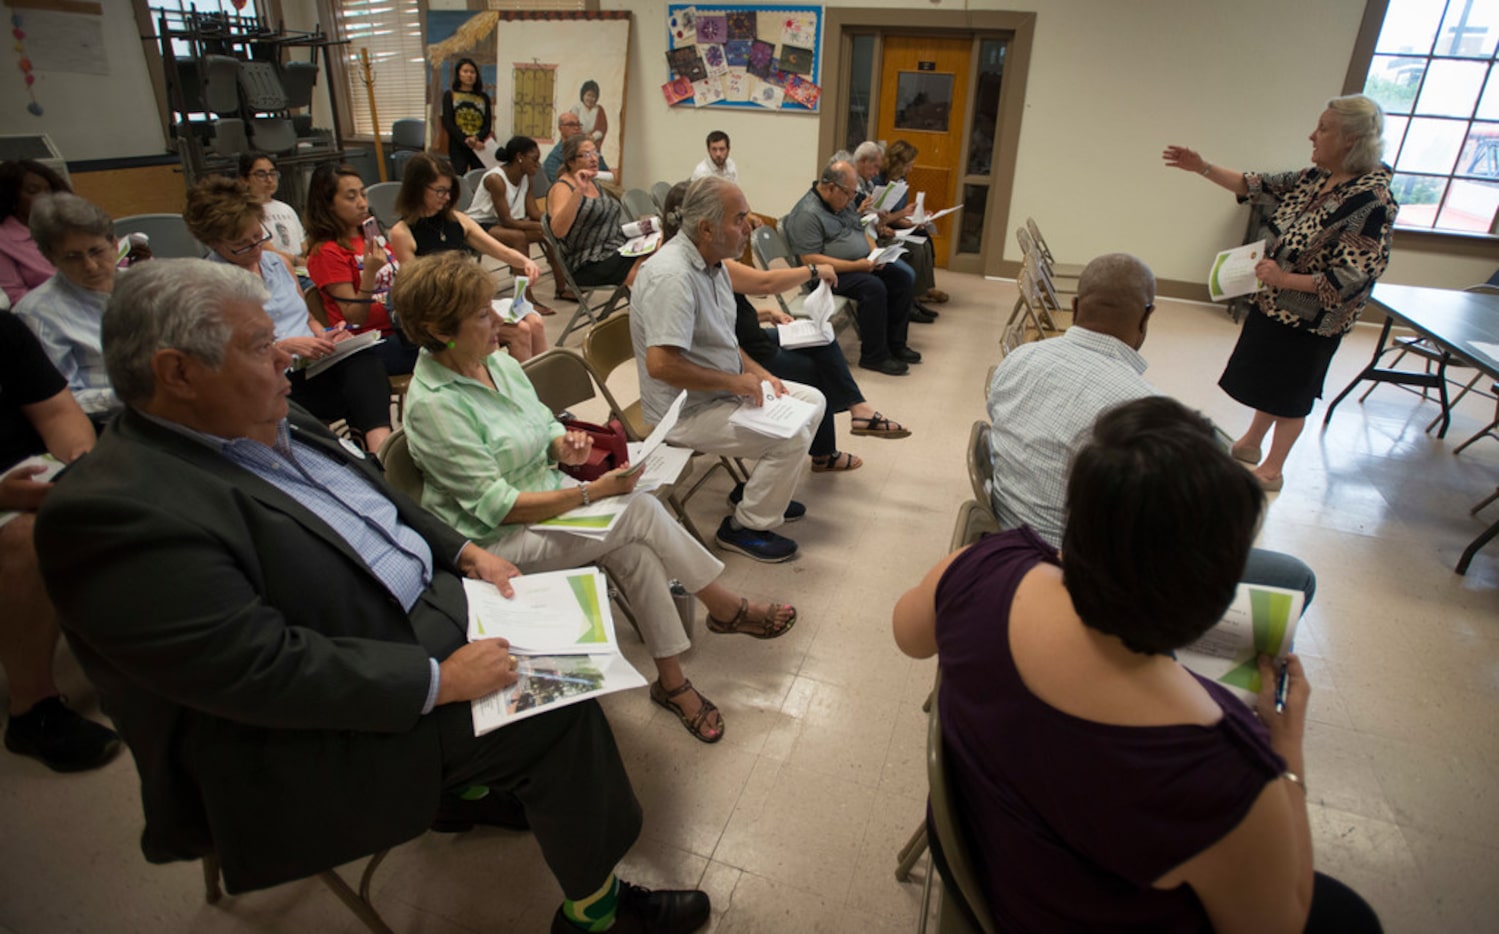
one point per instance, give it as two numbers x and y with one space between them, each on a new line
639 203
659 191
590 312
768 245
382 199
169 235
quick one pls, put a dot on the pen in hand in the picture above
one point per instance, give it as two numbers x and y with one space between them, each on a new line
1282 682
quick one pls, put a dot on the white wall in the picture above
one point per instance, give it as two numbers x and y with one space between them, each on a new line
90 116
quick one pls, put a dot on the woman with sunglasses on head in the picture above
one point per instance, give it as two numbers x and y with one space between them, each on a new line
288 239
466 116
225 216
346 268
431 224
587 221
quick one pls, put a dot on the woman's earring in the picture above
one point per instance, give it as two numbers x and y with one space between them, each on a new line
452 344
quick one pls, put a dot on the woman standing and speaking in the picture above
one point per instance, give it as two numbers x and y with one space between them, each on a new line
1329 241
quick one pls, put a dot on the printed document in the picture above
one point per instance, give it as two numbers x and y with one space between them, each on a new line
50 466
1233 275
813 331
344 348
777 417
1261 621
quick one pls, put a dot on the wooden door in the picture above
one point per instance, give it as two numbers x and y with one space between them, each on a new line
924 101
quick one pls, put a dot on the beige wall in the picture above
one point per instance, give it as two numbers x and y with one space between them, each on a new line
1110 85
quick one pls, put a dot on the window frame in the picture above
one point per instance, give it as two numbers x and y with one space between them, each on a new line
1422 239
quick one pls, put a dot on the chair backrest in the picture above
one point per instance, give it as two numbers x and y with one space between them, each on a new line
220 75
400 469
659 191
229 137
474 178
639 203
298 80
313 297
948 825
560 377
980 464
168 232
464 196
974 521
382 199
769 245
262 86
557 253
1041 244
408 133
607 346
274 134
1027 245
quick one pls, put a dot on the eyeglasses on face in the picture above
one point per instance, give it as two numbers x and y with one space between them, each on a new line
252 245
265 175
95 255
440 192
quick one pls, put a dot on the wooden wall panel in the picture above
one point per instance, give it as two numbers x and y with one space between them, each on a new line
150 189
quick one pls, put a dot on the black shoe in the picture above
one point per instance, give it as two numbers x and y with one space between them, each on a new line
794 510
63 740
922 317
496 809
642 910
764 546
889 366
905 354
918 306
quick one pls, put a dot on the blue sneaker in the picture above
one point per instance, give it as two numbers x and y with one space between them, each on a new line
794 510
762 546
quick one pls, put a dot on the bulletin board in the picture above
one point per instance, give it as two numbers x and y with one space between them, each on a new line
744 55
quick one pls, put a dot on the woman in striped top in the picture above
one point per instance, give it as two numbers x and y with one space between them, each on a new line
587 221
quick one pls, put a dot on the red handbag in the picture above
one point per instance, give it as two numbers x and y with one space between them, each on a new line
609 449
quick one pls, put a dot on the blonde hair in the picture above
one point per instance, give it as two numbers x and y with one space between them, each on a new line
218 208
1362 120
434 293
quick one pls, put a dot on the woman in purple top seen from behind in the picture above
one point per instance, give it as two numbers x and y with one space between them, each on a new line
1106 786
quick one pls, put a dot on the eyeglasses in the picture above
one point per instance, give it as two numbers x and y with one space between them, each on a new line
576 123
97 255
440 192
849 192
264 175
253 245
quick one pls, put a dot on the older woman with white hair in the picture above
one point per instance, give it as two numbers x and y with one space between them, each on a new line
1329 241
66 311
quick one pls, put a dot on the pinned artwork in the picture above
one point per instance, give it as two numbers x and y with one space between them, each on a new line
746 55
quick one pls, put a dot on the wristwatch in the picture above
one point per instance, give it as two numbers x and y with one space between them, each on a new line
811 272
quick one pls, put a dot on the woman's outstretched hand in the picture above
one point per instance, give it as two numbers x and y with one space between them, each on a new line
1180 157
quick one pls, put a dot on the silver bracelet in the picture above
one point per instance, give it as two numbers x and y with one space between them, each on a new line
1294 779
1206 168
584 488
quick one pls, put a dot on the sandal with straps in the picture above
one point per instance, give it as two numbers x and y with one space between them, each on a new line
878 426
763 628
697 724
836 462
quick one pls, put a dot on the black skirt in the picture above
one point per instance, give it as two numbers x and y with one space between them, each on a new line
1277 369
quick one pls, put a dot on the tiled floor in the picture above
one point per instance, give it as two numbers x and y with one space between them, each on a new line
793 821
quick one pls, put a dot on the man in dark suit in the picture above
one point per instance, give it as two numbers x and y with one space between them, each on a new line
281 637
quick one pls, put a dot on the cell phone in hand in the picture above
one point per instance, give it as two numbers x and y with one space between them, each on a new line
370 229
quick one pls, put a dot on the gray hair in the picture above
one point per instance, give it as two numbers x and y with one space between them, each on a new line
842 155
704 201
1363 122
1116 279
869 149
838 172
55 217
175 304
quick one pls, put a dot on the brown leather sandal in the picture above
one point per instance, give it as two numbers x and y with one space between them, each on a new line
697 724
836 462
763 628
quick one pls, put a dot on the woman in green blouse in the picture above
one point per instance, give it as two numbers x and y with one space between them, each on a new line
488 450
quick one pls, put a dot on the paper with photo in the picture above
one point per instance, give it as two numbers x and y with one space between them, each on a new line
736 52
552 613
712 28
676 90
1233 273
799 29
886 197
778 417
736 85
881 255
760 54
596 520
50 467
706 92
687 63
775 75
548 682
341 351
796 60
713 59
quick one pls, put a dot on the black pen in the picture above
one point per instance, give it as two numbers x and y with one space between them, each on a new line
1281 684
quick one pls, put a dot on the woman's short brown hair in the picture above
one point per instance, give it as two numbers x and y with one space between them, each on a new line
899 153
433 294
218 208
570 147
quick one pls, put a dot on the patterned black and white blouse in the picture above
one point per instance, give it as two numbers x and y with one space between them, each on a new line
1340 237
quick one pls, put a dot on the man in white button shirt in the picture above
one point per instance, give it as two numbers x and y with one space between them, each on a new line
718 162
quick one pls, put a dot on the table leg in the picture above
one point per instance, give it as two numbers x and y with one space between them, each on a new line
1379 349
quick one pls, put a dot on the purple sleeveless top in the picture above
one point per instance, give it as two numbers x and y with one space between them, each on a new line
1072 820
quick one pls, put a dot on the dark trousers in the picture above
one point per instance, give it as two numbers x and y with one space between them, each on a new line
355 389
397 353
884 298
825 369
565 770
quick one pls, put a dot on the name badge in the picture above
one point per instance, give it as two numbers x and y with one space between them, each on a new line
352 448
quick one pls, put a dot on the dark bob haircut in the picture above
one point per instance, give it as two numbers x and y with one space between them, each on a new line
1160 520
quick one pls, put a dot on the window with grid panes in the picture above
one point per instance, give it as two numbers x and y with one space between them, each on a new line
1433 72
392 31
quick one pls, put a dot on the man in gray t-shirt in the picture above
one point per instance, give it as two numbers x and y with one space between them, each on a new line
682 326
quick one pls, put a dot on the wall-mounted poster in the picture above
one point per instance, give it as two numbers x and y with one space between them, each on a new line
743 55
537 66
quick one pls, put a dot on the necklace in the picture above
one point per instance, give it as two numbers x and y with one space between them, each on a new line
435 222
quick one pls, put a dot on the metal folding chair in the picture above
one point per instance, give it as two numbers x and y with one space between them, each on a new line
589 311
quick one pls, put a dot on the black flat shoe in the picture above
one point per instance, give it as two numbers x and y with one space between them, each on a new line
63 740
922 317
680 911
889 366
905 354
